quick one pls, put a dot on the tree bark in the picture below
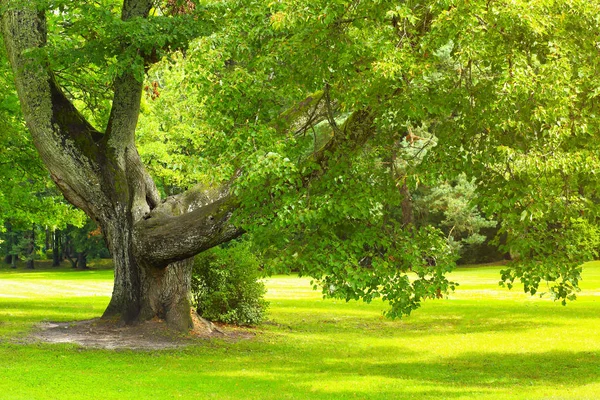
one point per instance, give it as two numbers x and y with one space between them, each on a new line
166 294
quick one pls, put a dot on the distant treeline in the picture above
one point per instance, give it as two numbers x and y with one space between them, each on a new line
72 244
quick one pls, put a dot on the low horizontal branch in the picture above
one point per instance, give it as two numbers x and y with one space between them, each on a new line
161 239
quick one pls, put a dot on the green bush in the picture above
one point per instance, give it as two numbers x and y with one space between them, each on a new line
226 285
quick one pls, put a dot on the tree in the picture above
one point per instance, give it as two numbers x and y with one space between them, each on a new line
81 242
305 105
450 206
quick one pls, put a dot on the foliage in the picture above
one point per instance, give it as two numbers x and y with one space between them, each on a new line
90 45
481 82
219 111
523 100
226 285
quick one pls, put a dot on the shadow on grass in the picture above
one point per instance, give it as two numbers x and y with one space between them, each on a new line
468 375
319 349
442 325
51 304
456 317
494 369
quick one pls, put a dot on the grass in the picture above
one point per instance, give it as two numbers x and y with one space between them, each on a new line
482 342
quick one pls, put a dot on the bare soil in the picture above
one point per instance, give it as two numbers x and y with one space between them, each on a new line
150 335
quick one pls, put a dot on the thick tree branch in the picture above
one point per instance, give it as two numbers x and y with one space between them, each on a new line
72 123
25 30
128 176
136 8
318 107
146 196
120 131
65 140
303 116
186 225
352 135
198 219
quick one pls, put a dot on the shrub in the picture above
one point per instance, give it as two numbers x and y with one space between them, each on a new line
226 285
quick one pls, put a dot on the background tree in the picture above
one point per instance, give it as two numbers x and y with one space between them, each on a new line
451 207
81 243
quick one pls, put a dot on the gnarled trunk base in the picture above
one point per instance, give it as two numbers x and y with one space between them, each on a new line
143 293
166 294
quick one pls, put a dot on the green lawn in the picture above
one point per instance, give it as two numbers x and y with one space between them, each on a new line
482 342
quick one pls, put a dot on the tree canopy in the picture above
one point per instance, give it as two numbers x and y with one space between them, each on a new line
306 124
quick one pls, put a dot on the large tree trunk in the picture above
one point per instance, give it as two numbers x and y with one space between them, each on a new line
142 291
153 257
165 292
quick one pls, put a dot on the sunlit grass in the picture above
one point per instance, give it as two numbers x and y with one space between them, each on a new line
482 342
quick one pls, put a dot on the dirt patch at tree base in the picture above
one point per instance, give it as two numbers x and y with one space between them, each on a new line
150 335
